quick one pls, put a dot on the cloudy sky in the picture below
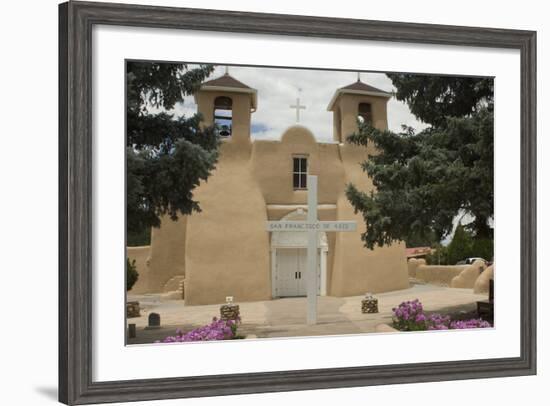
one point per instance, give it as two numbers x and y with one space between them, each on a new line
278 89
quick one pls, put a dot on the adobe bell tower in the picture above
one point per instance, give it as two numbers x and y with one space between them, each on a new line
358 101
228 103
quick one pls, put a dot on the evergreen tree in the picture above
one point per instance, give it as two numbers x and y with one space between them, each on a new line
460 247
423 180
166 156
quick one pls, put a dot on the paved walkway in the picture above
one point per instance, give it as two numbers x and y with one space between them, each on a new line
287 317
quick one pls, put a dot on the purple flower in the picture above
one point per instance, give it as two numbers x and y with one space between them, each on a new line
473 323
410 316
217 330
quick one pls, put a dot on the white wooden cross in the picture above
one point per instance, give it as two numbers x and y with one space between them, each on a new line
298 107
312 226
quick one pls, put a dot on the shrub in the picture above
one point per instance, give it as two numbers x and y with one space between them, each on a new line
217 330
131 273
410 316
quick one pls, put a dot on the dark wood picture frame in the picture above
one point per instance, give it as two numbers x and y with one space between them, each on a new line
76 20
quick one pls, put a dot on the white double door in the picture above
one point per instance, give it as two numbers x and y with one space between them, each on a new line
292 272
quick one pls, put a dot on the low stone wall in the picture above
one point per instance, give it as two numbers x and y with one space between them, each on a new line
438 274
468 277
141 256
482 283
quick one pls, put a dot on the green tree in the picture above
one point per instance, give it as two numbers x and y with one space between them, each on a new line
166 156
138 239
461 246
439 255
415 240
423 180
483 248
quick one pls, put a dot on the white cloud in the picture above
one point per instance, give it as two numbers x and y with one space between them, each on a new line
278 89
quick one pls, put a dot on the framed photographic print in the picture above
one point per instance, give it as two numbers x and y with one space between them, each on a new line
260 202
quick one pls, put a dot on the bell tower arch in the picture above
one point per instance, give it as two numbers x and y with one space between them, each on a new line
358 101
229 104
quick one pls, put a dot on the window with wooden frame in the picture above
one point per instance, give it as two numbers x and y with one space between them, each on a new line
299 172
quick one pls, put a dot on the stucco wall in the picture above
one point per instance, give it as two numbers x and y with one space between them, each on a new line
454 276
272 167
356 269
141 255
467 278
439 274
227 246
346 110
167 252
352 269
413 264
482 282
240 111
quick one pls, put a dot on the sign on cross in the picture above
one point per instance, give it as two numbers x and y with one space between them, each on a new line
312 226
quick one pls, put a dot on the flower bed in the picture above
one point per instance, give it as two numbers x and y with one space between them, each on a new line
410 316
217 330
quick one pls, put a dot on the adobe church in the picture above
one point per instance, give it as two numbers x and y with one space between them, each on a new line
226 250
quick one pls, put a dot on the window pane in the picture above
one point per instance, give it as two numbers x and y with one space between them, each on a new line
303 165
296 164
303 181
296 181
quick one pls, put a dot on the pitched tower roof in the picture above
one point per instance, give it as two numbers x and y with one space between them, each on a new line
225 81
360 88
228 83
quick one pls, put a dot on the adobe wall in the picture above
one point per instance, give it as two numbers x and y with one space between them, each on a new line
439 274
141 255
413 264
467 278
352 269
347 110
356 269
167 252
240 111
481 284
226 245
